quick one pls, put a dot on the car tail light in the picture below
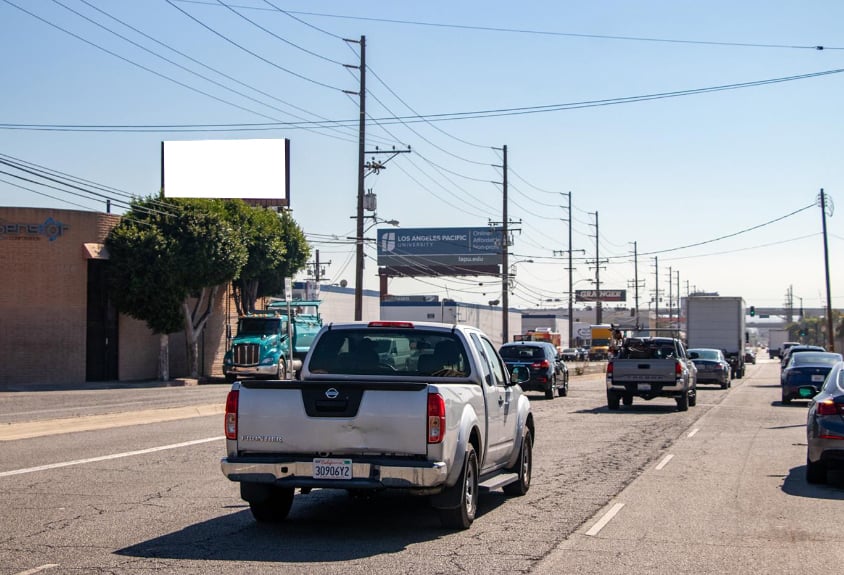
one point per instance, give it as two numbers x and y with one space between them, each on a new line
678 368
829 407
544 364
609 370
231 414
436 418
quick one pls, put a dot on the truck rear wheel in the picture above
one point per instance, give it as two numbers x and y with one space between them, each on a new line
524 467
683 401
274 507
462 516
613 400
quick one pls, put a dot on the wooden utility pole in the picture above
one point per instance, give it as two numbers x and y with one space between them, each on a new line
361 166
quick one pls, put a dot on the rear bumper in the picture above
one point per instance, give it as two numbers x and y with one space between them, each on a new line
369 473
647 390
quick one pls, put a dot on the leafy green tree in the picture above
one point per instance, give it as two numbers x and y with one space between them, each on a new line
277 249
165 253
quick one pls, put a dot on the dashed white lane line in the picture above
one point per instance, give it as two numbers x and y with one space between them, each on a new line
693 432
37 569
664 461
108 457
605 519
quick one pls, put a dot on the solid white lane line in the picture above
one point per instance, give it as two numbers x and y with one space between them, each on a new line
107 457
693 432
605 519
30 429
664 461
38 569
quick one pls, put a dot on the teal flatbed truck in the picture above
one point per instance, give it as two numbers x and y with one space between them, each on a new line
261 348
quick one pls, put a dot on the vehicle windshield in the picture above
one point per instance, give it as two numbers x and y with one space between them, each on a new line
521 352
258 325
711 354
811 357
389 351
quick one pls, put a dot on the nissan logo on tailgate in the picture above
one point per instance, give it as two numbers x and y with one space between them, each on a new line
331 393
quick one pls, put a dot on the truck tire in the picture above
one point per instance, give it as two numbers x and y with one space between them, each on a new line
281 372
462 516
524 467
683 401
627 399
613 400
692 397
274 507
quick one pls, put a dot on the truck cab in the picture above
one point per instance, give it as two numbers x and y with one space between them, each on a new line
262 348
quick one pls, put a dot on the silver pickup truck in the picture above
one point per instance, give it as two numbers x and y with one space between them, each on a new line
649 367
445 423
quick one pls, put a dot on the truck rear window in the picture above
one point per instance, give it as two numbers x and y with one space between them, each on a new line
642 349
389 351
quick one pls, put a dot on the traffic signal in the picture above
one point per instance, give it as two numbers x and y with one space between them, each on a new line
752 311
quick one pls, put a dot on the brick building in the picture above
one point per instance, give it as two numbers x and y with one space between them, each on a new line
57 325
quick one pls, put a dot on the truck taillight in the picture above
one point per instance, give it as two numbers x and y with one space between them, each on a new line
436 418
231 414
541 364
678 368
609 369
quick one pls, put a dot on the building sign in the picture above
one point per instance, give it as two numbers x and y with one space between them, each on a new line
440 251
50 229
606 295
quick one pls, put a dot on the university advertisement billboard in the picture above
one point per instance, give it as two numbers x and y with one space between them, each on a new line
439 251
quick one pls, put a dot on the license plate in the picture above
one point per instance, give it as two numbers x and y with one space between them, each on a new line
644 387
332 468
817 378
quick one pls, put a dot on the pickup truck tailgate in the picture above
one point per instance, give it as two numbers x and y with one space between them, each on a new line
335 417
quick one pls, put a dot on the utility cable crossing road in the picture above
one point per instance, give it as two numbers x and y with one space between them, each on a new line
645 489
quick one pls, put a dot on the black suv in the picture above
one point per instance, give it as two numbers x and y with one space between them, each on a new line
547 369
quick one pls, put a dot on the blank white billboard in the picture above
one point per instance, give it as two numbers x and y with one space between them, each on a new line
223 169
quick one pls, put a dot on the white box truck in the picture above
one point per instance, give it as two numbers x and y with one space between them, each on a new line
776 337
718 322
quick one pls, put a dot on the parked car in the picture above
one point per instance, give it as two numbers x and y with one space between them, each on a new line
547 372
797 349
570 354
825 426
712 366
806 369
750 355
583 353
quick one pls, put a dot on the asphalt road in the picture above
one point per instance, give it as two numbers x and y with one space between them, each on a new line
717 489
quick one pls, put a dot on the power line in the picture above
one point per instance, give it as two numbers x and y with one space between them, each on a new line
248 51
501 29
442 117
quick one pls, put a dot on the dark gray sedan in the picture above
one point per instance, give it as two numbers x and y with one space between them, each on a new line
712 366
806 369
825 426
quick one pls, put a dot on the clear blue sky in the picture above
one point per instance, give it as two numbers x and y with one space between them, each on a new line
665 173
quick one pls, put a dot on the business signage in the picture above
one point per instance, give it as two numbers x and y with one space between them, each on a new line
439 251
605 295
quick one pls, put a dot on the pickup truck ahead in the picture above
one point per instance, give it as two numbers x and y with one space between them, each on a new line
446 423
650 367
